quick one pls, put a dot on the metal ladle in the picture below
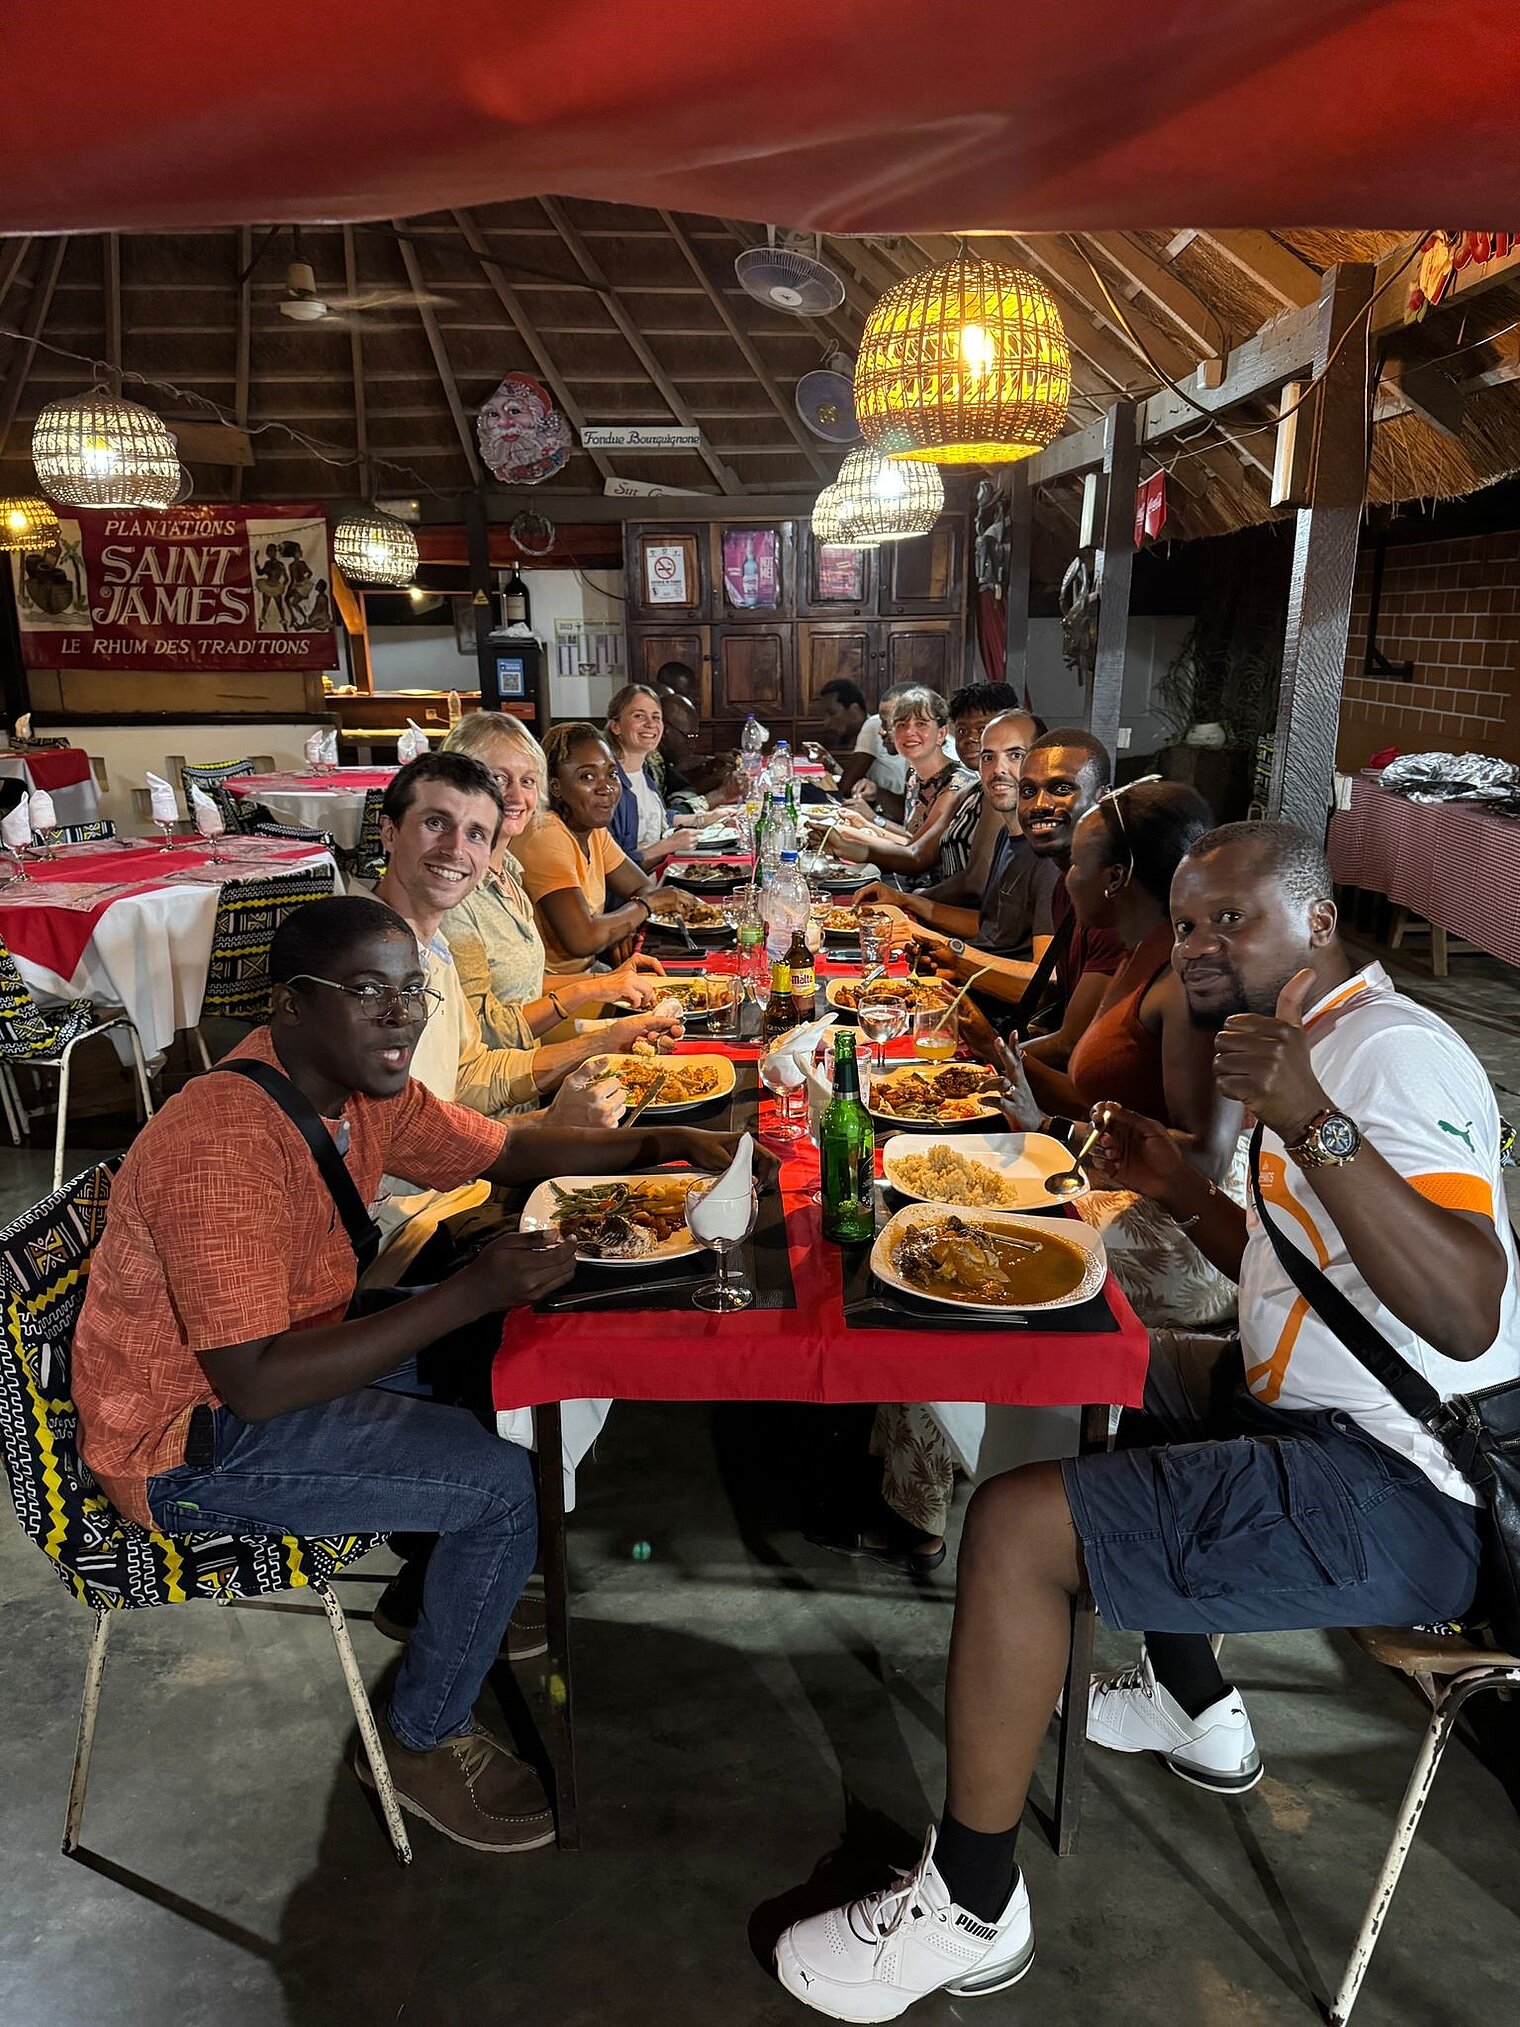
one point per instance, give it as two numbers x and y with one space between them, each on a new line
1068 1182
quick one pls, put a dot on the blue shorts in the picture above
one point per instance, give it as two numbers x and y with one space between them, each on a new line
1218 1515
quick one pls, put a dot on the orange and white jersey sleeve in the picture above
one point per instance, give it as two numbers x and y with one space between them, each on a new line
1420 1097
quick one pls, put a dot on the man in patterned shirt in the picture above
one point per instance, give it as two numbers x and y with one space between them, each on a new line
222 1380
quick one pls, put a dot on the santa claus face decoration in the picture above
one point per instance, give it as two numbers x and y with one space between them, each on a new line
523 437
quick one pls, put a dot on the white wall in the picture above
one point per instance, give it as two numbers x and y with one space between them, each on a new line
574 594
1151 645
129 751
420 658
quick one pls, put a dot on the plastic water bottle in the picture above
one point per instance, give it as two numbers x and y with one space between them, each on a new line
785 907
781 767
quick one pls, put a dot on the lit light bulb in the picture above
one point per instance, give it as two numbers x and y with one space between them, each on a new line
978 350
15 520
890 483
417 595
99 457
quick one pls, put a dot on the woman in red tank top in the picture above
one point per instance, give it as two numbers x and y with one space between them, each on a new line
1142 1050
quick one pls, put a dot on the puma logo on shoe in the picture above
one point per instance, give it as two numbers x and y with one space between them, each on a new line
984 1931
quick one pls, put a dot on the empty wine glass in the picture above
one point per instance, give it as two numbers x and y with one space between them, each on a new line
782 1076
724 1229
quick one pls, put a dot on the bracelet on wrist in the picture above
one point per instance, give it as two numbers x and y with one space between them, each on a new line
1187 1224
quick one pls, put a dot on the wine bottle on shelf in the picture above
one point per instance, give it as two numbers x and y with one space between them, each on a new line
847 1152
516 608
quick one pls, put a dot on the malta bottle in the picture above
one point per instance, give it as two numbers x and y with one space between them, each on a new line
847 1152
804 980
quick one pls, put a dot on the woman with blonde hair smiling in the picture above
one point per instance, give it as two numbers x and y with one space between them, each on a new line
493 933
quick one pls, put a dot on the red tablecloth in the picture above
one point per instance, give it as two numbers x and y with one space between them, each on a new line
808 1353
352 779
1453 863
56 938
56 766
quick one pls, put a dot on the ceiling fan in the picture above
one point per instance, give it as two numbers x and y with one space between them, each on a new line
304 302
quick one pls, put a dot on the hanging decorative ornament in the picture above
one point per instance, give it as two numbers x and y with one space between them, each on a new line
886 499
374 548
96 450
963 364
28 527
523 437
534 534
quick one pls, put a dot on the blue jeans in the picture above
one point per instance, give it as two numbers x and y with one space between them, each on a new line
388 1458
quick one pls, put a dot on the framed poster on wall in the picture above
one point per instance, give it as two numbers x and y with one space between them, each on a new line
751 569
669 570
839 574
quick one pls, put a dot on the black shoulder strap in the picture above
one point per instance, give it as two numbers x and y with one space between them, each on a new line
363 1232
1032 998
1366 1344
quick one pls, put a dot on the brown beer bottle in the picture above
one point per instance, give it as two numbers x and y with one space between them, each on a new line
804 983
780 1014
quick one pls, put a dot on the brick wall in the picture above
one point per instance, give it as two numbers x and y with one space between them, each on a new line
1453 609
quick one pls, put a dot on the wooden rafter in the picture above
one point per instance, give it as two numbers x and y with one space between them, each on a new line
1161 287
590 267
111 248
26 346
11 256
1285 277
356 361
243 343
785 408
510 301
440 354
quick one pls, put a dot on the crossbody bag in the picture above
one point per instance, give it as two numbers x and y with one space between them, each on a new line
1479 1432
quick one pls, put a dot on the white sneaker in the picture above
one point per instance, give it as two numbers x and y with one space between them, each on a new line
872 1958
1132 1712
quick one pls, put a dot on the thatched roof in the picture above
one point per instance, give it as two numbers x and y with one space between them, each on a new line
635 316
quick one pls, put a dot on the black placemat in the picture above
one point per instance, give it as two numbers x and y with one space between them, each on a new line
766 1262
870 1304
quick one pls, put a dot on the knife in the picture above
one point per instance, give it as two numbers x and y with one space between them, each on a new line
653 1092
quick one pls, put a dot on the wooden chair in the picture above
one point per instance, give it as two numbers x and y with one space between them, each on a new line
1449 1670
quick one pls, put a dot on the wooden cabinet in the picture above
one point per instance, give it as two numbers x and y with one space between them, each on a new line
887 617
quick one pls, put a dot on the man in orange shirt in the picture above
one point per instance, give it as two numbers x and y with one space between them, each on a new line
223 1382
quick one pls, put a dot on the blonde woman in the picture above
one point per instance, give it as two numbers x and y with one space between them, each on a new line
493 933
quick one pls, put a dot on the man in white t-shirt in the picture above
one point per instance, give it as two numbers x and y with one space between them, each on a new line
1266 1485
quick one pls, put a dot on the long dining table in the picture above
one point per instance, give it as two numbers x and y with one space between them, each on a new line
821 1330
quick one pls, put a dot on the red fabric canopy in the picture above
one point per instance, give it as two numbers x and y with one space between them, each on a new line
894 115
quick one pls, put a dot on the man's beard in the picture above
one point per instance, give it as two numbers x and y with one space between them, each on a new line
1210 1019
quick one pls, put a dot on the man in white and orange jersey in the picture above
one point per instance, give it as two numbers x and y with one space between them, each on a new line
1268 1484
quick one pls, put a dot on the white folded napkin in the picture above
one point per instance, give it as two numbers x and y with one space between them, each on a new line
24 726
162 799
723 1213
16 828
330 746
313 749
208 818
40 812
798 1044
412 744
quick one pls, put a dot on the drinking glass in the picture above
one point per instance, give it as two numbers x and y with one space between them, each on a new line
782 1077
726 1290
880 1025
935 1035
723 1016
875 940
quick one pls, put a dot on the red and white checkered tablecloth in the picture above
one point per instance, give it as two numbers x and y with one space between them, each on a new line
1453 863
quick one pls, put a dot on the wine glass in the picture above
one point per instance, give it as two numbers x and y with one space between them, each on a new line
720 1230
880 1023
782 1076
936 1033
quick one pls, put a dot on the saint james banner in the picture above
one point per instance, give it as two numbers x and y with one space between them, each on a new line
193 587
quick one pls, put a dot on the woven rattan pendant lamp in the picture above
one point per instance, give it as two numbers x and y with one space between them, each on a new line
885 499
28 526
828 523
374 548
963 364
96 450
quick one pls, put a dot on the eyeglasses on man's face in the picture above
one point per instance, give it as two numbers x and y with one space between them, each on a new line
376 1002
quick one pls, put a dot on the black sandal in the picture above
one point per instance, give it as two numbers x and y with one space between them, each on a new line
913 1561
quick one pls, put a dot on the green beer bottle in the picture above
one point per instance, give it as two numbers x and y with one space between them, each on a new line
847 1152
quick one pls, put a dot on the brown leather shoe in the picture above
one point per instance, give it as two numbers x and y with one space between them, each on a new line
471 1788
527 1630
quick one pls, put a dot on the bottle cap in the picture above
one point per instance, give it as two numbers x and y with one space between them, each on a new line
788 858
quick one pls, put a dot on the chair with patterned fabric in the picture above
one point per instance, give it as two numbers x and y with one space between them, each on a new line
36 1037
367 859
248 912
209 777
294 833
95 833
109 1563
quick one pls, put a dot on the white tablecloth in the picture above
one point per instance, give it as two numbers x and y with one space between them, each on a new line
338 810
150 953
78 802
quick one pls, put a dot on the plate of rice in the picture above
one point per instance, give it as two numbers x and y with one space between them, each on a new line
978 1171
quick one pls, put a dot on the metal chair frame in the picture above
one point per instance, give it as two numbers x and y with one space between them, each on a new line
18 1116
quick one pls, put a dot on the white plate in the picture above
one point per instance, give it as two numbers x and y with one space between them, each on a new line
1083 1237
1024 1158
846 1012
542 1210
725 1084
717 837
987 1107
835 877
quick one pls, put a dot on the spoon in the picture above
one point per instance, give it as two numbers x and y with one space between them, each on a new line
1068 1182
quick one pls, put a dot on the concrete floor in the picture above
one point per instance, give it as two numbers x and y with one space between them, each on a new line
760 1727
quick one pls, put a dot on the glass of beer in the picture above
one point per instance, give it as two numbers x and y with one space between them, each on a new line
935 1035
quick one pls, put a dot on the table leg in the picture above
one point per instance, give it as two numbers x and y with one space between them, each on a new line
1072 1737
548 1437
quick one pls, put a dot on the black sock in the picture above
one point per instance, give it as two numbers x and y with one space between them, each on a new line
978 1866
1185 1667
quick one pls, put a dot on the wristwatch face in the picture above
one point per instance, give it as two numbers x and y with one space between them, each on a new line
956 946
1338 1137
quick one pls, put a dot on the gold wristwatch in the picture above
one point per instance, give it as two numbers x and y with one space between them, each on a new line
1330 1142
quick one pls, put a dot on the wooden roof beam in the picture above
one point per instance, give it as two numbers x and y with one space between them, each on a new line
13 254
242 343
1161 287
583 257
1275 268
786 409
356 360
26 346
1467 282
440 355
522 324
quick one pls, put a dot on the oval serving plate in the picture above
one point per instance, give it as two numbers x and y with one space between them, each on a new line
1072 1232
1022 1159
839 1000
723 1082
543 1210
985 1103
